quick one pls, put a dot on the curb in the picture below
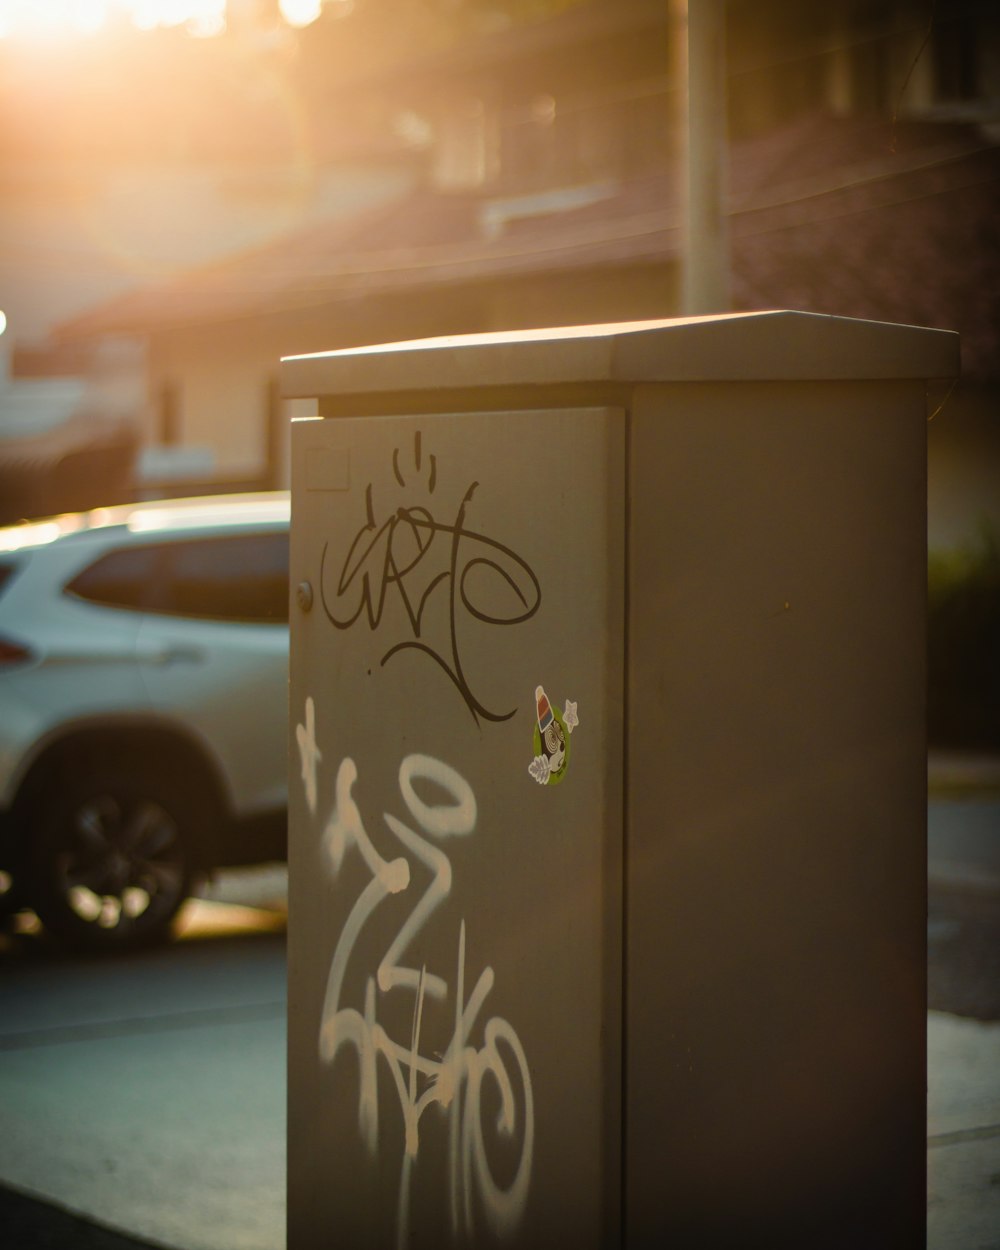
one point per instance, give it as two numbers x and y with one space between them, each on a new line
957 774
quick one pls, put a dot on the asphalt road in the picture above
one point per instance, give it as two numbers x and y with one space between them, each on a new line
963 930
963 953
146 1093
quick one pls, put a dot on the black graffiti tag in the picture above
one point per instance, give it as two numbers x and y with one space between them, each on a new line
420 559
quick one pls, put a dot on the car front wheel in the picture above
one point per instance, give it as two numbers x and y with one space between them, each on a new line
109 864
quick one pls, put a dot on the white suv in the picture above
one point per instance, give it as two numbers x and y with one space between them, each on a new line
143 708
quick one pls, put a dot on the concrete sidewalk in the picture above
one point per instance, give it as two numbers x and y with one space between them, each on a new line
963 1159
963 1134
963 1062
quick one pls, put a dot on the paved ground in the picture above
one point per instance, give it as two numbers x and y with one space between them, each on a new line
31 1224
963 967
963 953
123 1130
147 1094
963 842
963 1134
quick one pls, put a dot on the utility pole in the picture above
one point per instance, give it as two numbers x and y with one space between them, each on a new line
699 34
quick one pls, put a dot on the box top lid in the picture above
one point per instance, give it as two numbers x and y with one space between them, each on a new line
774 345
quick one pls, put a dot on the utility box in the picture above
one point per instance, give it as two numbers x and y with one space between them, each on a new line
607 839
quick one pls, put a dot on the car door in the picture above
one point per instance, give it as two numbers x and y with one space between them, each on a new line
214 656
69 625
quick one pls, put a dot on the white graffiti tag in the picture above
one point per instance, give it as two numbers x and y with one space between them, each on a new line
453 1083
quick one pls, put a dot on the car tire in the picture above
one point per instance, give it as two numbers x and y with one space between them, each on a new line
109 864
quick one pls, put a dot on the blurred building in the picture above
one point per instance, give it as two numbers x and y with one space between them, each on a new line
70 429
126 159
863 179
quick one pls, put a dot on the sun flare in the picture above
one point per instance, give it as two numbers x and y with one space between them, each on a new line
300 12
62 18
52 17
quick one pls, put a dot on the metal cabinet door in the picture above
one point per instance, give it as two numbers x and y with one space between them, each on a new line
455 829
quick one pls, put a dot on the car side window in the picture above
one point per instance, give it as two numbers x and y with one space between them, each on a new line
239 578
120 579
242 577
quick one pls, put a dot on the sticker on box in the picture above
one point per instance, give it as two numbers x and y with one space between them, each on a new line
552 734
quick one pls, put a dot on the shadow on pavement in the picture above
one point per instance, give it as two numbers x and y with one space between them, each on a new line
31 1224
963 953
22 938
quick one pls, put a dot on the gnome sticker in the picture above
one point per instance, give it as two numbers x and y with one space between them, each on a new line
552 732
